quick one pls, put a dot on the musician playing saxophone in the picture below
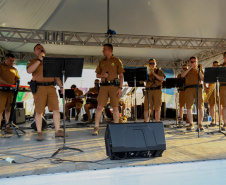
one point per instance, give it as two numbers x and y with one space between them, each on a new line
8 76
93 104
211 95
192 75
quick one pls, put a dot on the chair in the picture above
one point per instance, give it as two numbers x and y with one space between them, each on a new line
80 114
93 111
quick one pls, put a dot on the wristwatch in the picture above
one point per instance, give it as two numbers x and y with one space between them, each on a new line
120 88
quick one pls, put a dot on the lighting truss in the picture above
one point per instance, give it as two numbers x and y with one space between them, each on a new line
98 39
94 60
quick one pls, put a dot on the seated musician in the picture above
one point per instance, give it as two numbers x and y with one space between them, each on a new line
154 88
92 104
8 76
75 102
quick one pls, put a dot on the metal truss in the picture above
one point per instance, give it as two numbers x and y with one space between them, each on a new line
98 39
3 52
94 60
205 55
209 54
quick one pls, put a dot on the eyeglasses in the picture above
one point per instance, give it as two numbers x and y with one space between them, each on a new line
192 62
152 63
184 68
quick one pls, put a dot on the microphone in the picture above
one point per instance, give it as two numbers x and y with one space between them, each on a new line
199 66
42 51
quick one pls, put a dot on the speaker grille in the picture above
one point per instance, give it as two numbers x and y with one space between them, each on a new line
131 138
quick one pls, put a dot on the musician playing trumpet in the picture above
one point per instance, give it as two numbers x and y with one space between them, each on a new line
8 76
210 97
193 77
181 96
154 88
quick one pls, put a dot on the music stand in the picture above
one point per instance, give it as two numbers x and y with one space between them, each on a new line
216 75
135 74
69 93
175 83
63 67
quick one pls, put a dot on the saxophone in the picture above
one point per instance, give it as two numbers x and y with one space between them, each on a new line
211 89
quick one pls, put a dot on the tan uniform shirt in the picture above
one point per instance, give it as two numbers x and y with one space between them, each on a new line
153 81
77 93
37 75
8 73
192 77
93 90
113 66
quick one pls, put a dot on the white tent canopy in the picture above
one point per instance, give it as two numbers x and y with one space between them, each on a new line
177 18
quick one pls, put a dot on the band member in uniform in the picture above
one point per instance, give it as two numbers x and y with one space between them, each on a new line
154 88
212 96
44 92
181 96
93 104
8 76
191 83
109 69
223 95
76 102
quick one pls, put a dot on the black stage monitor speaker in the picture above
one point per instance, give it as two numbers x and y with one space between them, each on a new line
134 140
19 116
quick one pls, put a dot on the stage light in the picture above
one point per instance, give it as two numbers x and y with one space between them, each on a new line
112 32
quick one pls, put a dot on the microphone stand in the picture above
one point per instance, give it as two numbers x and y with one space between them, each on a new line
197 91
64 144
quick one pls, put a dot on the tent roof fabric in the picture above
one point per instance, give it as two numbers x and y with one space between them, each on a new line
202 19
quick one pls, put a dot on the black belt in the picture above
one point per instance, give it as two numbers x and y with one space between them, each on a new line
46 83
107 83
193 86
153 88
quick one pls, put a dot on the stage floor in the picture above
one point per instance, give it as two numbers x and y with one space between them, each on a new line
33 157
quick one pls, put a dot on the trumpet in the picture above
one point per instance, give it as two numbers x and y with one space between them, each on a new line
148 68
